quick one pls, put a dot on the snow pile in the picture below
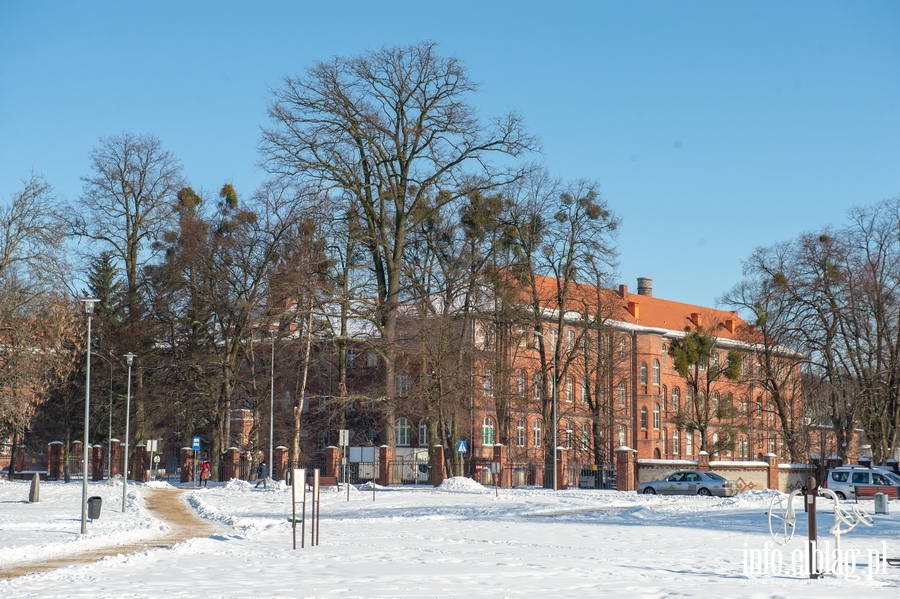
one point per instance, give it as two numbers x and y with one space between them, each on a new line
461 484
236 484
157 484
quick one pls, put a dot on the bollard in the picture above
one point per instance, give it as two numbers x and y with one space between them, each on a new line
34 495
881 503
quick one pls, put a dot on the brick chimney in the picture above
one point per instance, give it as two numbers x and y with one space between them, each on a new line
697 319
623 291
645 286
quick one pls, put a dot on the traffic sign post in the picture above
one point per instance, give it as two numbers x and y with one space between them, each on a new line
195 445
344 442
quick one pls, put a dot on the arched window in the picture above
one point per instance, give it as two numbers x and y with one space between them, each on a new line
403 431
537 383
570 388
585 436
714 398
688 398
569 434
643 417
487 432
715 443
622 393
656 372
520 433
584 391
664 395
643 373
520 383
664 354
536 434
676 442
423 434
621 348
656 416
676 399
689 443
728 406
621 435
570 340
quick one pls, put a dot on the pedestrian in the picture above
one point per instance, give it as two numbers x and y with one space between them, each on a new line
262 472
204 473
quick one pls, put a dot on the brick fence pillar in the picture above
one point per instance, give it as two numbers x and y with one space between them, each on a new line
20 459
703 461
115 457
187 464
625 464
55 460
501 458
385 465
232 461
562 476
865 461
97 462
76 457
772 460
332 461
140 463
281 462
438 471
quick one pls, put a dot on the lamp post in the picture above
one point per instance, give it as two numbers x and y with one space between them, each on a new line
130 358
89 309
555 426
273 328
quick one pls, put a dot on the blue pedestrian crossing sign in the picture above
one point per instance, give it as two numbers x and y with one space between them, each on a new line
196 444
460 447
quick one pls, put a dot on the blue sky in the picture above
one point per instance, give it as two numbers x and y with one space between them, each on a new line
712 127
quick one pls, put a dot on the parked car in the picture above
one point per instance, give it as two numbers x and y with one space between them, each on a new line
691 482
844 479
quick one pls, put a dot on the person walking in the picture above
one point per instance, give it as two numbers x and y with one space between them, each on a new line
204 473
262 473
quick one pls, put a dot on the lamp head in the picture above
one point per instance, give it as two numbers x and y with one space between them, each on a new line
89 304
129 357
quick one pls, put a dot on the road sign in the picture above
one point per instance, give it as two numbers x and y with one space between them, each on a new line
460 447
156 459
343 437
196 445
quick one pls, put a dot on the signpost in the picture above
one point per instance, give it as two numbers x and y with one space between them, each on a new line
343 443
195 445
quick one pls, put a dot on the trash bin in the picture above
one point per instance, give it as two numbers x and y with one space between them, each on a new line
94 504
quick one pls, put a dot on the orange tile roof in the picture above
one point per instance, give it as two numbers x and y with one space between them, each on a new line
651 312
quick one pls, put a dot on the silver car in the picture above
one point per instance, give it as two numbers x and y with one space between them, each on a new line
691 482
844 479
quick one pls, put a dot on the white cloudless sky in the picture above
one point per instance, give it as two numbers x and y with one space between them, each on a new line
712 127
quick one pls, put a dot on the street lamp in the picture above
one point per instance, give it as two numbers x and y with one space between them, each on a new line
89 310
555 425
273 328
130 358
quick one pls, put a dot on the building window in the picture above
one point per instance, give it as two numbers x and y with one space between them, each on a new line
487 432
569 434
520 433
536 436
688 398
715 443
643 373
351 358
676 399
664 354
487 383
520 383
403 432
759 406
584 391
676 442
585 436
621 348
401 381
689 443
643 417
742 447
371 359
570 340
714 399
570 389
622 393
664 395
523 337
537 385
621 436
656 416
656 373
423 434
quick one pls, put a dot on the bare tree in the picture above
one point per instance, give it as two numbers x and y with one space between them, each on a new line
390 131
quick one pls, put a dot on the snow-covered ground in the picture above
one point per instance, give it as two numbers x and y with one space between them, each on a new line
459 540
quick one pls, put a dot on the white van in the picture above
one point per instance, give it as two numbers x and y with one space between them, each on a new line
844 480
